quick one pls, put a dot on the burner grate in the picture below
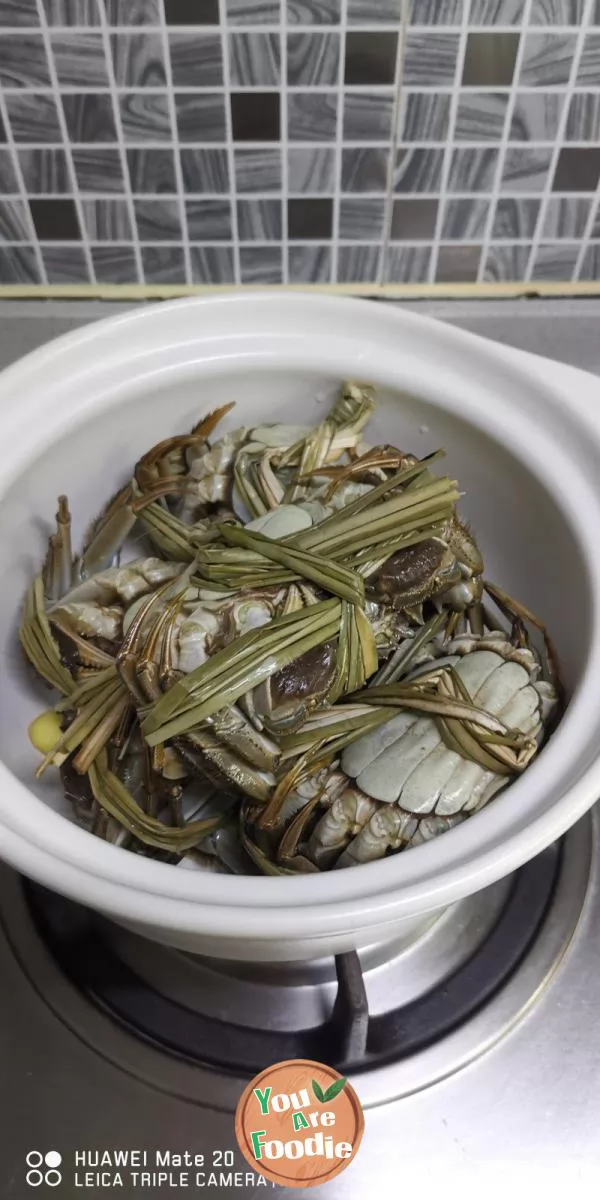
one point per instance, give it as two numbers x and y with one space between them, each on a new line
350 1039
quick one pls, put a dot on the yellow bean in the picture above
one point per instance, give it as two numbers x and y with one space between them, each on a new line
45 731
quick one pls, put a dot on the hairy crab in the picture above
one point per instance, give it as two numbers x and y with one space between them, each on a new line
303 669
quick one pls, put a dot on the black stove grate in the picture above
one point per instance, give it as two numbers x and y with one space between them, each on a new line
350 1039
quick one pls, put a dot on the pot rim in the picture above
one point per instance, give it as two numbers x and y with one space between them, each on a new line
270 329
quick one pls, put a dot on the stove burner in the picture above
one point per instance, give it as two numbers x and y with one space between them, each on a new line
350 1038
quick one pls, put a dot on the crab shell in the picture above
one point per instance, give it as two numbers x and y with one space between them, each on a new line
401 785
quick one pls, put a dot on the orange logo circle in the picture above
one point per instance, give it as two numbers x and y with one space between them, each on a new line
299 1123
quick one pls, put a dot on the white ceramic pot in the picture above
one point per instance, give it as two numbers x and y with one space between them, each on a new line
523 437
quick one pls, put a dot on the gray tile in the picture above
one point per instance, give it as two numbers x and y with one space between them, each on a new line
18 264
151 170
254 60
596 225
577 170
23 61
261 264
418 169
547 59
79 59
595 13
557 12
205 170
430 59
435 12
33 117
310 219
131 12
196 59
257 170
472 169
566 217
313 59
555 263
407 264
515 219
253 12
18 12
583 118
536 116
464 220
107 220
192 12
480 116
65 264
589 63
138 59
496 12
55 220
525 169
358 264
200 116
373 12
490 59
590 267
312 116
98 169
145 117
209 220
506 263
14 221
309 264
364 169
8 178
259 220
361 220
114 263
458 264
45 171
414 220
424 116
212 264
368 116
157 221
163 264
370 58
3 135
313 12
89 117
255 116
311 169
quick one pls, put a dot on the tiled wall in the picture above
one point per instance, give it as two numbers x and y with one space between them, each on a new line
300 141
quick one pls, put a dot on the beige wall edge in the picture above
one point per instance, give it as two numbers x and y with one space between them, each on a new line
391 291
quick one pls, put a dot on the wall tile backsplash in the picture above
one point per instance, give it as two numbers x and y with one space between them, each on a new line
369 142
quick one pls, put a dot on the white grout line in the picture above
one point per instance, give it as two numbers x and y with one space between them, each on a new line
187 258
392 150
363 27
366 241
283 142
326 89
22 194
120 145
65 136
560 137
339 139
229 144
449 149
508 116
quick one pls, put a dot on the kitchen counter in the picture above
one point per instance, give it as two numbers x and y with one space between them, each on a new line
568 330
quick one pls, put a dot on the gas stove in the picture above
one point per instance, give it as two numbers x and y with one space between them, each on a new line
474 1050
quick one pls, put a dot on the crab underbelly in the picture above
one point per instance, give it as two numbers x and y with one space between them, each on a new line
406 762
